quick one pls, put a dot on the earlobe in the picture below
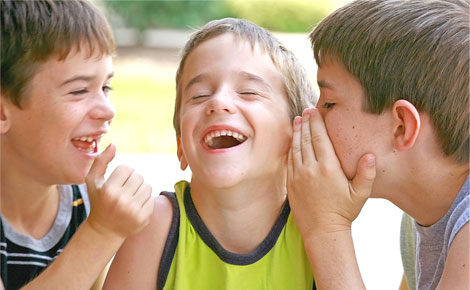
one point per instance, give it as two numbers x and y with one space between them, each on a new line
4 116
408 124
181 158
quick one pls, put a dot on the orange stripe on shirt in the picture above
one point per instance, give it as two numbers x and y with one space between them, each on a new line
78 202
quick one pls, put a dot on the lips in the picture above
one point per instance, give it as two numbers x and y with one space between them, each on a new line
223 138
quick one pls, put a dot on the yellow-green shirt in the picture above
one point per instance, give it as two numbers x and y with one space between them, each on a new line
193 259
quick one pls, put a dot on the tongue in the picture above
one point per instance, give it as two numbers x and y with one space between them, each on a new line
224 142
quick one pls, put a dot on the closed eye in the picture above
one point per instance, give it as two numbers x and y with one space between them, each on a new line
328 105
79 92
107 89
249 93
200 96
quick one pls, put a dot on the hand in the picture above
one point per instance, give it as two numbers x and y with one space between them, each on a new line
321 197
121 205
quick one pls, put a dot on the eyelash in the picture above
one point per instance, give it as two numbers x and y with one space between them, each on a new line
105 89
328 105
199 96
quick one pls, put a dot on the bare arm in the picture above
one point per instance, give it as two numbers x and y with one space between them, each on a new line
120 207
325 203
456 273
135 265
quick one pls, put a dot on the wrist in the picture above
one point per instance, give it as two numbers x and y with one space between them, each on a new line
102 232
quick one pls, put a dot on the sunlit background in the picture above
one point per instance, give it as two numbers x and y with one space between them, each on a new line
150 34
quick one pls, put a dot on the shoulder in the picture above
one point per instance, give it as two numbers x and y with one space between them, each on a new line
455 275
136 264
459 217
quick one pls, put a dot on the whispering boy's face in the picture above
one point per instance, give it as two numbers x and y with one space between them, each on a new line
55 136
235 123
352 130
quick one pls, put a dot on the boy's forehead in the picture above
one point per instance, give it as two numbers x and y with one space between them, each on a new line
230 49
77 63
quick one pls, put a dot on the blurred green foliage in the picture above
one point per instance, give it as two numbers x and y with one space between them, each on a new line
276 15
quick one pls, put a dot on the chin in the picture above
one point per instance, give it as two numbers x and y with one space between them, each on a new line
77 177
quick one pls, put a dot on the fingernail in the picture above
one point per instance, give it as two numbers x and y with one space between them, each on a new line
371 160
297 120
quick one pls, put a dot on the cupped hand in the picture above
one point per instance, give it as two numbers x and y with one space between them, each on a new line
321 197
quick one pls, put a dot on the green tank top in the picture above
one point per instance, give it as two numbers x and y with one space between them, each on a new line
193 259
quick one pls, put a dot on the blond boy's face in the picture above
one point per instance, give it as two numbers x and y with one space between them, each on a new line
235 124
54 138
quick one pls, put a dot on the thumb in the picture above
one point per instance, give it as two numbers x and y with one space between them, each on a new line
95 177
365 176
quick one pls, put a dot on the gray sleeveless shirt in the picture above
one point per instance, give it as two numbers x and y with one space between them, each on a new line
424 249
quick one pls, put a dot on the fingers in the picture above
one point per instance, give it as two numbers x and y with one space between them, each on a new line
324 151
95 177
143 194
296 142
365 176
308 155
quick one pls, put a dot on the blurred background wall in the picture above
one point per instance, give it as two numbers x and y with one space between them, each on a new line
150 34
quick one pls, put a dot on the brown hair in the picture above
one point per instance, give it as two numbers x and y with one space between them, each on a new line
414 50
34 31
295 79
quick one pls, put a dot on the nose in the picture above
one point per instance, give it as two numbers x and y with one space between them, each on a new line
103 108
220 102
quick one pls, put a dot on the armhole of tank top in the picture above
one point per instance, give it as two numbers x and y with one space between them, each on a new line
171 242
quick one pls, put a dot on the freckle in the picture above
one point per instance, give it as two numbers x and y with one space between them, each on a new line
383 170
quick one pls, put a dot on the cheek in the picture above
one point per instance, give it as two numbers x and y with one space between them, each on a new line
347 142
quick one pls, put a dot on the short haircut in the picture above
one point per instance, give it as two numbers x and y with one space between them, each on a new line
34 31
298 87
414 50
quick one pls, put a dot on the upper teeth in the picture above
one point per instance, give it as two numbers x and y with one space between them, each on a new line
213 134
84 139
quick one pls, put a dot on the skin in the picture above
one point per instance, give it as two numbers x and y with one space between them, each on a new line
65 100
401 137
226 84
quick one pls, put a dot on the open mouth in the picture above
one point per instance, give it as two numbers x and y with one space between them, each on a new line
87 144
221 139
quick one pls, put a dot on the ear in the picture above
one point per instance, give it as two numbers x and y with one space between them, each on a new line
407 124
4 114
181 158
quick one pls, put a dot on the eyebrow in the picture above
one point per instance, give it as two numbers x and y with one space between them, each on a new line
250 76
86 78
325 84
197 79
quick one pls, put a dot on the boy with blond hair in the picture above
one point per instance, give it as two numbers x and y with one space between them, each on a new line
238 89
56 63
394 97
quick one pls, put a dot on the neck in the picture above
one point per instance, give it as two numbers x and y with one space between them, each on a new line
235 213
427 193
29 206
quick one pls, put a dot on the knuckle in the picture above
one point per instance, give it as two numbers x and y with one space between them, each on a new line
124 169
306 139
327 169
316 138
296 148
